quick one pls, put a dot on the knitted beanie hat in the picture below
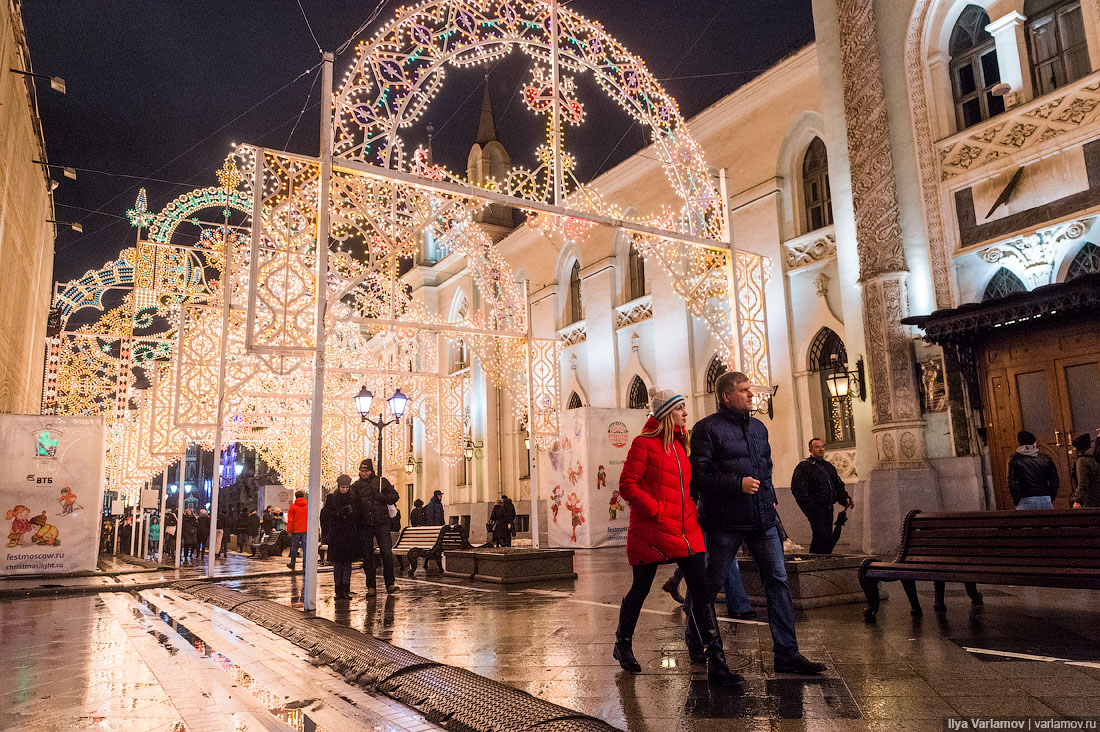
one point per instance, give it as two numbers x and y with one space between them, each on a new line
664 401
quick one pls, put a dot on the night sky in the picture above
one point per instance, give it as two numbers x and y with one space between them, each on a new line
160 90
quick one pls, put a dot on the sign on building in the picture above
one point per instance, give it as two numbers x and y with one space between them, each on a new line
51 493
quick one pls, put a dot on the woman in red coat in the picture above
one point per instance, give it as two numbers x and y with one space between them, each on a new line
655 481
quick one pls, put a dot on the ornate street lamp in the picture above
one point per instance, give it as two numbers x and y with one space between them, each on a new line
841 382
397 402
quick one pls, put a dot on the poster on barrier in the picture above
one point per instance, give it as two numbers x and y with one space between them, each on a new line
51 493
586 510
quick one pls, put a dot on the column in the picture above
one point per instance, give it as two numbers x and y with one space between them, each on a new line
1009 35
601 353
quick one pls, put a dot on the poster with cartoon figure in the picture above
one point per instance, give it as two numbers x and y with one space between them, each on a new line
583 476
51 486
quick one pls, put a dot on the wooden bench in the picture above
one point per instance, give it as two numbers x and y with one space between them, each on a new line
1034 548
429 542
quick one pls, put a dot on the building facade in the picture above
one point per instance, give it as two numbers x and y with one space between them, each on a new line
26 239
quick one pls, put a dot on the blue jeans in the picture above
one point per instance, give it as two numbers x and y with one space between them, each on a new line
341 574
297 541
767 551
737 600
1032 503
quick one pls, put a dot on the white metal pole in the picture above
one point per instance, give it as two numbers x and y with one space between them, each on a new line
179 505
533 452
317 403
555 118
163 499
135 527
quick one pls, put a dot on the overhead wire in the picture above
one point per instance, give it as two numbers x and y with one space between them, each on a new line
362 27
300 114
310 27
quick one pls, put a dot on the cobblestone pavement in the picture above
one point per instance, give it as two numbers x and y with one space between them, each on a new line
98 662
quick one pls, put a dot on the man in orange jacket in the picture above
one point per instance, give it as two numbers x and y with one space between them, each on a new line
296 523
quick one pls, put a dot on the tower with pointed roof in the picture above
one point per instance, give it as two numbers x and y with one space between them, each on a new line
489 160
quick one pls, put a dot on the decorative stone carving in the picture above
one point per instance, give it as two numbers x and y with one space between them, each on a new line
634 312
1035 254
874 191
845 463
1023 128
573 335
805 250
821 282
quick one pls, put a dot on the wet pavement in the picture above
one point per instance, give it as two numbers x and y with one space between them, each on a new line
1027 651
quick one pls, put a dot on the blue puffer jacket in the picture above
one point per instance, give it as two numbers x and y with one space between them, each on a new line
726 447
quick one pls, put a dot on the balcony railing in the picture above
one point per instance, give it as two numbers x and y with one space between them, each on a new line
1032 128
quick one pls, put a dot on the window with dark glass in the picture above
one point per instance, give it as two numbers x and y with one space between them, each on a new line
1056 43
974 70
574 402
828 355
576 309
714 370
638 394
816 193
637 273
1086 261
1002 284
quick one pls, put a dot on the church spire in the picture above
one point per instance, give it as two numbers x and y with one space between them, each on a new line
487 129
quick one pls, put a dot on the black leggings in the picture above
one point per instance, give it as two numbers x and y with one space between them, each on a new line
694 569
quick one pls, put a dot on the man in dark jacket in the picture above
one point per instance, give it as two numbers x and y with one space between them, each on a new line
251 524
416 516
1032 476
433 512
373 494
731 480
816 486
203 528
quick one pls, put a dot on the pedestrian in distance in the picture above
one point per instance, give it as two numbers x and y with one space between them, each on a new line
656 482
731 468
416 515
125 535
816 486
154 535
203 532
297 522
503 518
1032 475
171 525
1087 470
252 525
342 531
373 494
433 512
190 536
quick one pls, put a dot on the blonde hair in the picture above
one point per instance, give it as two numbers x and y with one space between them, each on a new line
666 430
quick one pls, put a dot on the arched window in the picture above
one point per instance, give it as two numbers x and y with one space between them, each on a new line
827 355
815 186
574 402
1087 261
638 394
714 370
1056 43
974 70
576 308
636 266
1002 284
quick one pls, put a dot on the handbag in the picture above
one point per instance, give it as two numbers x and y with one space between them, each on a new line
391 509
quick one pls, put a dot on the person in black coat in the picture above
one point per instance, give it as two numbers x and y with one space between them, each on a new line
416 516
341 530
816 486
190 535
433 512
502 518
203 532
125 535
373 494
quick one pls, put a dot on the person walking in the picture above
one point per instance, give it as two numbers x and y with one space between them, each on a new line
373 494
154 535
416 515
297 520
656 481
816 486
503 518
171 526
342 529
252 526
1032 476
190 536
731 466
1087 470
125 535
433 512
203 528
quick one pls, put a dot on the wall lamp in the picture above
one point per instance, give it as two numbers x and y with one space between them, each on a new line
74 225
473 449
56 82
844 383
414 466
764 399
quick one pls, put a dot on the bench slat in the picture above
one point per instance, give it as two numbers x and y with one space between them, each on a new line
1055 533
1086 562
1006 540
1001 551
1079 517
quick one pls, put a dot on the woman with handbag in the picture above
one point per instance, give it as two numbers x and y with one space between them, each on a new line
341 528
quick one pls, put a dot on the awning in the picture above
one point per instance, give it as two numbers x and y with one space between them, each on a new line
966 322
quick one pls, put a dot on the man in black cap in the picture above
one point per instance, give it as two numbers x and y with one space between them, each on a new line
433 512
373 494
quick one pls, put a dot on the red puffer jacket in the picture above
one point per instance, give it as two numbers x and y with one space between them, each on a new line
657 484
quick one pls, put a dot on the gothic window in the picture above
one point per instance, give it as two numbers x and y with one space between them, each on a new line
716 369
1087 261
637 273
1056 43
574 402
974 69
815 186
1002 284
638 394
828 355
576 310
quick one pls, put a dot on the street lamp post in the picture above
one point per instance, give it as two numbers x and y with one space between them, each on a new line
397 402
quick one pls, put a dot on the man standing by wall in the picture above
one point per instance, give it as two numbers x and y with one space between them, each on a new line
373 494
816 487
433 512
731 480
297 522
1032 476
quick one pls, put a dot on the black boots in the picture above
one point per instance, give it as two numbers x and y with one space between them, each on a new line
624 654
343 592
717 670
